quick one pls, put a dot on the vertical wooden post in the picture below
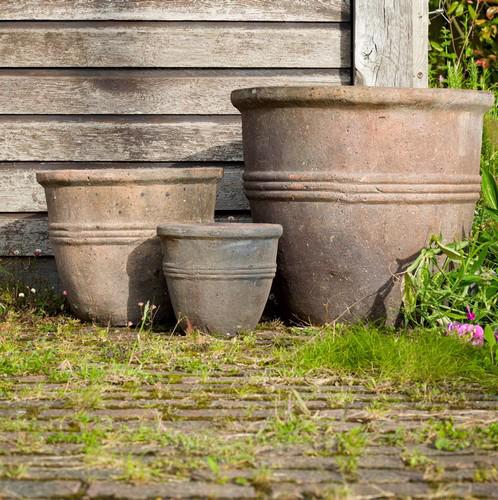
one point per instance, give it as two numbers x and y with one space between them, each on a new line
391 43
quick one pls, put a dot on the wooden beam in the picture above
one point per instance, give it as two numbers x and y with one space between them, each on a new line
391 43
152 92
133 138
176 10
104 44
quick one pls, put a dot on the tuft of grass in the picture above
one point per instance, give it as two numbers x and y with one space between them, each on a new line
290 429
135 470
350 447
403 357
415 459
485 474
13 471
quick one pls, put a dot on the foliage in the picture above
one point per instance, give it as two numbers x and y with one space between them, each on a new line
19 296
16 297
458 282
464 36
455 285
446 279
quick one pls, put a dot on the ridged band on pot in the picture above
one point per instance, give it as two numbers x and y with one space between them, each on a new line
360 178
219 275
102 227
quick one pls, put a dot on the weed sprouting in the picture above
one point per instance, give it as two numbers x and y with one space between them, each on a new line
13 471
350 447
135 470
415 458
448 437
485 474
290 429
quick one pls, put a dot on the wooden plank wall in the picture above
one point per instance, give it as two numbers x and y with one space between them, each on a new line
89 84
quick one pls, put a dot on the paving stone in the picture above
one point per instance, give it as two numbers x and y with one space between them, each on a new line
42 461
381 475
293 491
380 462
474 490
44 449
298 476
63 472
305 476
208 404
206 413
175 489
389 490
31 379
451 461
123 414
39 489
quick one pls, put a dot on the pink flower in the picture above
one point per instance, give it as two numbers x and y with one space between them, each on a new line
470 315
467 331
64 293
461 329
478 336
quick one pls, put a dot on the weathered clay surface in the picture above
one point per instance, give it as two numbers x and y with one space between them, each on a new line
360 178
219 275
102 226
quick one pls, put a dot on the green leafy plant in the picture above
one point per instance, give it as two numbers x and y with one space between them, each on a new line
464 36
492 342
455 285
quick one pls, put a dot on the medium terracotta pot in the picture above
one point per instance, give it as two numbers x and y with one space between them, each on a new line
359 178
102 228
219 275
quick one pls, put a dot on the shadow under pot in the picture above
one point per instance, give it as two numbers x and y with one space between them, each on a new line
359 178
102 228
219 275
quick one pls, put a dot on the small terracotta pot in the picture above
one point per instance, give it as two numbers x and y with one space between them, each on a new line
359 178
219 275
102 228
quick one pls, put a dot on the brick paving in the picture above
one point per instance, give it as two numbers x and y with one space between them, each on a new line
272 437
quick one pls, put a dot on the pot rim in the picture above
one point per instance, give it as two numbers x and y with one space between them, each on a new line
220 230
342 95
113 176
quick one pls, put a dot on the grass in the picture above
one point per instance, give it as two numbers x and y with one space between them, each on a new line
402 357
72 353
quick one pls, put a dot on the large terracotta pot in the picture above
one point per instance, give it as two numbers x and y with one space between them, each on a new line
359 178
102 228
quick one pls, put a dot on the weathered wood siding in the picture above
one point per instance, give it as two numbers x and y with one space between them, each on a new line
88 84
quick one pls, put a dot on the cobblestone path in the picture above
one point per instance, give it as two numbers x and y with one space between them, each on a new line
233 433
